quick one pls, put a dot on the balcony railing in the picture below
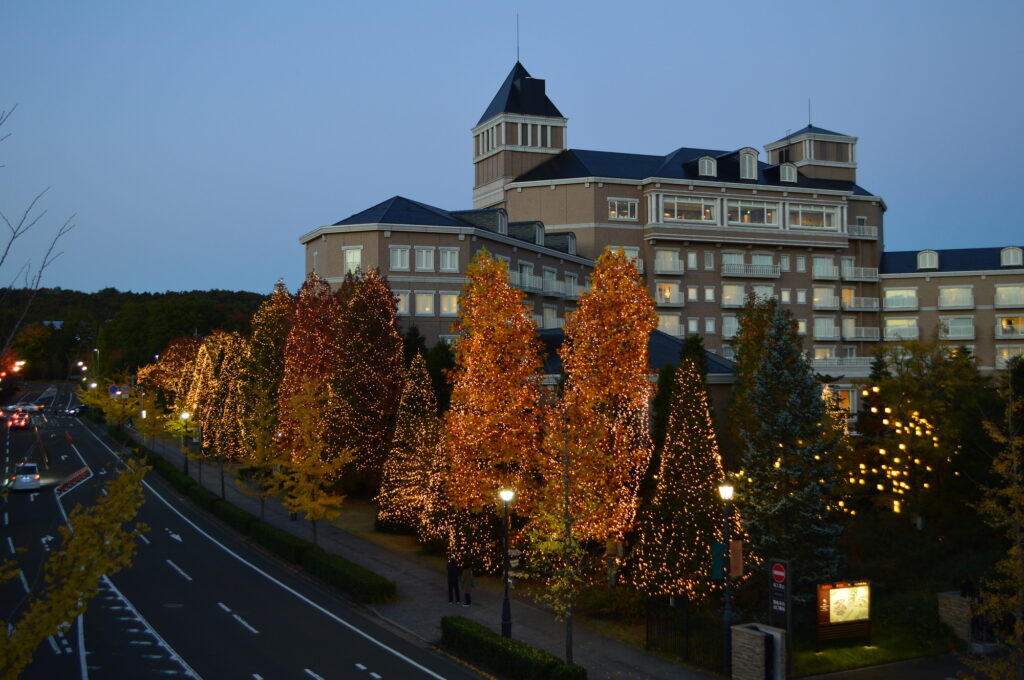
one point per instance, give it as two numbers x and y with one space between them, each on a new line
826 302
958 333
1009 332
1009 301
824 272
860 273
862 231
826 333
963 303
527 282
842 362
861 304
903 303
911 333
729 333
732 303
669 267
554 288
862 333
674 298
770 271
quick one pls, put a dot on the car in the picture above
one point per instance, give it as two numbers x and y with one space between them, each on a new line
25 477
75 410
18 420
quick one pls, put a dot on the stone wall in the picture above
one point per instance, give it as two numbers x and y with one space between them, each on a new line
955 612
748 651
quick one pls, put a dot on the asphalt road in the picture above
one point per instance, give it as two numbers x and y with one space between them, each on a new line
197 602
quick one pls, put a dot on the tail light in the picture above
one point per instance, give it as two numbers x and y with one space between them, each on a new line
37 476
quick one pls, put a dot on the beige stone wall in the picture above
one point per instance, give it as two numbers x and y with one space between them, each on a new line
748 653
955 612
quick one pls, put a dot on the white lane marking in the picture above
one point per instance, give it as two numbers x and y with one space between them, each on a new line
140 642
375 676
360 666
10 544
366 636
176 537
5 519
32 497
53 645
257 676
178 569
24 581
246 624
224 607
143 538
312 674
81 648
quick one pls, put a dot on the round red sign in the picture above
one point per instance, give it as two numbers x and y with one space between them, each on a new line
779 573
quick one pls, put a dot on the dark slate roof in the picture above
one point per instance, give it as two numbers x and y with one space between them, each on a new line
400 210
810 129
662 349
680 164
521 93
954 260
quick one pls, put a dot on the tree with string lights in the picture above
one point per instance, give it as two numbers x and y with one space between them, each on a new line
677 529
492 432
171 374
605 403
414 448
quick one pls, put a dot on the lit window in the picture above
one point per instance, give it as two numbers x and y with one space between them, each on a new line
1005 353
449 259
353 259
1009 296
400 258
1010 327
424 304
667 261
424 259
621 209
824 352
693 325
960 296
668 293
732 294
813 216
689 209
691 260
709 293
1011 257
901 329
449 304
900 298
708 166
927 259
784 296
801 326
693 293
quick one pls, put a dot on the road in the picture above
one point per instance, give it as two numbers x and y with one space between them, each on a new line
197 602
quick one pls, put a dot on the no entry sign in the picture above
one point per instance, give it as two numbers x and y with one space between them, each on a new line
779 593
779 572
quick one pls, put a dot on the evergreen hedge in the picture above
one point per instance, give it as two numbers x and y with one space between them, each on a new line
202 496
234 517
359 582
507 657
279 541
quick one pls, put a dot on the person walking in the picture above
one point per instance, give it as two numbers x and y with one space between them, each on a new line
453 581
468 582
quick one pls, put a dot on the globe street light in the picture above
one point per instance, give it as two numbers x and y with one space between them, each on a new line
184 430
506 496
725 490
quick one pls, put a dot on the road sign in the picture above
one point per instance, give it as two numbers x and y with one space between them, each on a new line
780 607
779 572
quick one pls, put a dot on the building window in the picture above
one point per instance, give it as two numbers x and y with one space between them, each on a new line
762 291
732 294
824 352
901 329
729 352
958 327
823 266
1011 257
449 259
732 263
424 259
621 209
754 213
669 323
668 293
707 167
801 296
571 284
801 326
693 325
825 327
709 325
689 209
550 317
691 260
763 263
424 304
748 165
801 263
692 293
449 304
1010 327
862 221
1005 353
784 263
927 259
353 259
667 262
1009 296
900 298
787 173
730 326
709 293
813 216
709 260
959 296
403 302
400 258
784 296
526 275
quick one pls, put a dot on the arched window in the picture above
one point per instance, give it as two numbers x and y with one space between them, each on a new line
787 173
708 167
748 164
927 259
1011 257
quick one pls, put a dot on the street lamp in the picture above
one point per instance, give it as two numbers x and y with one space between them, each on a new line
184 430
506 496
725 490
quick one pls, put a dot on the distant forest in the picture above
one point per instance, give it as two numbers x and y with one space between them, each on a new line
67 326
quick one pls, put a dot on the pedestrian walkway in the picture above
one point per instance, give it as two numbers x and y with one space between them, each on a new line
423 599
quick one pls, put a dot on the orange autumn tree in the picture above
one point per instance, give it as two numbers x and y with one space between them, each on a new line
602 424
172 372
492 433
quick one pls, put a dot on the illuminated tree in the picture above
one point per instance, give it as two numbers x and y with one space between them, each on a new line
492 433
684 519
369 379
414 449
786 483
98 540
113 397
171 374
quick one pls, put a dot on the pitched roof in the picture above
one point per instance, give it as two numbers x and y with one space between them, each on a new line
521 93
662 349
953 260
810 129
401 210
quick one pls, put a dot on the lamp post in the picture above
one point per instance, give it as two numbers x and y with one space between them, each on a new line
184 431
725 490
506 496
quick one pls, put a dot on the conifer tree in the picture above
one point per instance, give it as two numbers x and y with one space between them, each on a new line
413 452
786 482
749 344
492 433
677 529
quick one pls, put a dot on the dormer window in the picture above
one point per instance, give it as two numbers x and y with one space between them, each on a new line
748 164
1011 257
708 167
927 259
787 172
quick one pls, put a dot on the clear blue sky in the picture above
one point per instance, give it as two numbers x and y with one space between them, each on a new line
197 140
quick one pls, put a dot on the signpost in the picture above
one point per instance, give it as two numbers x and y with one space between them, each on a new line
844 610
780 614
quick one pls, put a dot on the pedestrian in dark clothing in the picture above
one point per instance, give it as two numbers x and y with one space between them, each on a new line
453 582
468 582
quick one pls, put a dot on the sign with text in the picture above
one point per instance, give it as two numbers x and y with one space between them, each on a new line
780 577
844 602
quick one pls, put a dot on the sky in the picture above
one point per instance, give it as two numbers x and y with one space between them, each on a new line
195 141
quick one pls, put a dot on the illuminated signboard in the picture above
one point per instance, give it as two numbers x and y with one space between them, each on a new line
840 603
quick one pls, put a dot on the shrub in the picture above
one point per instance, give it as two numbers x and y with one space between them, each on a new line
202 496
360 583
279 541
236 518
507 657
623 602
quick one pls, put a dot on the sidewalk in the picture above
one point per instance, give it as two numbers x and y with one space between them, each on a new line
422 593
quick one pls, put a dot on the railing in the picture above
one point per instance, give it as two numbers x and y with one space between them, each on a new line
763 270
729 333
826 333
674 298
824 272
958 333
1009 302
861 333
842 362
639 264
823 302
901 303
912 333
1006 332
732 304
554 288
860 273
527 282
862 231
956 304
574 291
869 304
669 268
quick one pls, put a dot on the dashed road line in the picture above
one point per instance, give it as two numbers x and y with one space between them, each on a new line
53 645
245 624
10 545
144 539
360 666
24 581
375 676
224 607
312 674
179 570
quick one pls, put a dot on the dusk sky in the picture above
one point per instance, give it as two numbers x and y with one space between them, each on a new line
196 141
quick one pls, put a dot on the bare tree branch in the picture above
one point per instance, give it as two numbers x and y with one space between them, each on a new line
19 228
